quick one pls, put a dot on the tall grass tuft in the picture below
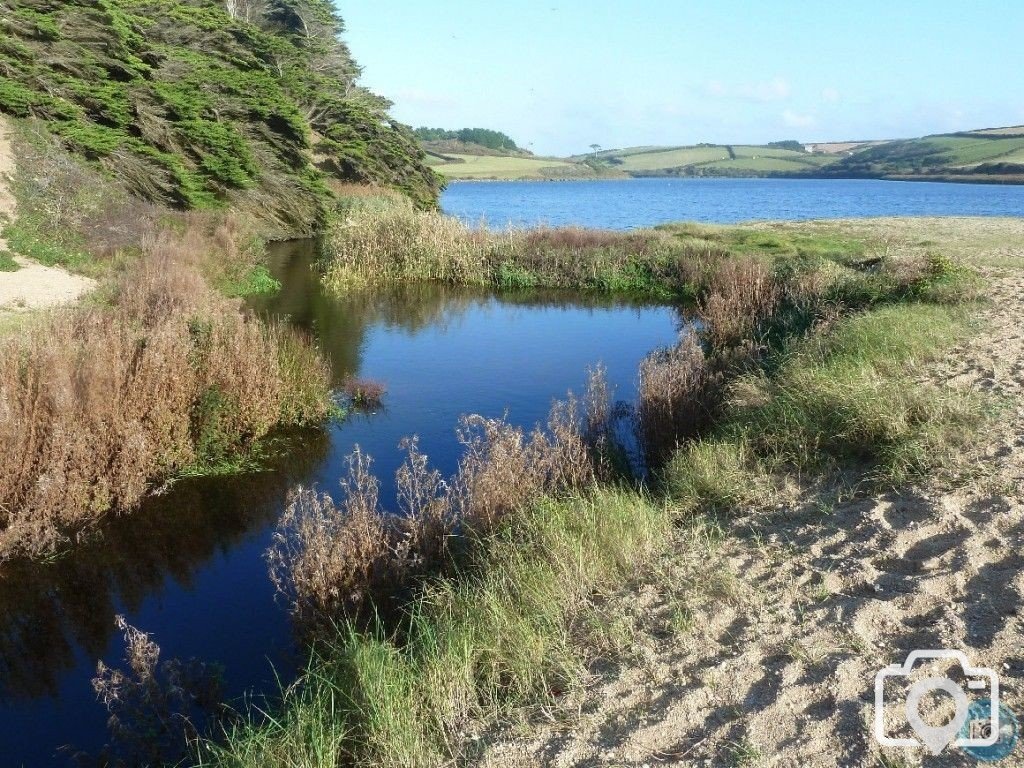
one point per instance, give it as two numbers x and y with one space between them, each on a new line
678 397
390 241
742 296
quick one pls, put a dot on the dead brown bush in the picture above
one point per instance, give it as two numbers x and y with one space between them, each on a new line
581 238
327 557
679 394
742 295
98 403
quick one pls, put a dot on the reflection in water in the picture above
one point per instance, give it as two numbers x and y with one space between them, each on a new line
48 609
189 567
340 322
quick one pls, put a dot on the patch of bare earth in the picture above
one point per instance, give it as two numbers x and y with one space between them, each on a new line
32 286
764 650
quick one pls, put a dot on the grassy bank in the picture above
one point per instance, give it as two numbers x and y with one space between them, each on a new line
804 368
382 240
159 374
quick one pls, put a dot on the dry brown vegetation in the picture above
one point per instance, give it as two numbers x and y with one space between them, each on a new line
156 708
364 393
386 240
98 403
327 557
158 375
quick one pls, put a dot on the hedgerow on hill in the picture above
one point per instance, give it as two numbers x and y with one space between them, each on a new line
201 103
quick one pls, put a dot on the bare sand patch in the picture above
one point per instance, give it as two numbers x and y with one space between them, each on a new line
809 600
32 286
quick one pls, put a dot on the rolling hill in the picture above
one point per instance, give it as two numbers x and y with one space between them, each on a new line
987 155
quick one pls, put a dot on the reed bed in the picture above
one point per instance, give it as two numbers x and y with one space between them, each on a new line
394 242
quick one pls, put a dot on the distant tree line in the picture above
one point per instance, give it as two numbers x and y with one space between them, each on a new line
482 136
792 144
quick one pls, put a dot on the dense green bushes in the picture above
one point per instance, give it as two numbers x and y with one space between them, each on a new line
197 109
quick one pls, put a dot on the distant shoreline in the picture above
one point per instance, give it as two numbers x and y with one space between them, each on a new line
950 179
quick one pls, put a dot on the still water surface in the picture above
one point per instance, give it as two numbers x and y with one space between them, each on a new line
189 568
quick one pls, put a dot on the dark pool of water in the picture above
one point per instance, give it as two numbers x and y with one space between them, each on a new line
189 569
628 203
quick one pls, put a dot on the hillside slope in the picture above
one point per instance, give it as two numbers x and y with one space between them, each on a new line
987 155
995 152
195 106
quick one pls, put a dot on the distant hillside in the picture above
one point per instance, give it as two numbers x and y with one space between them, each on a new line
986 155
195 107
713 160
990 154
489 165
993 154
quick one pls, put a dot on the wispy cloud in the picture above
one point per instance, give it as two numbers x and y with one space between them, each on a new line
776 89
793 119
831 95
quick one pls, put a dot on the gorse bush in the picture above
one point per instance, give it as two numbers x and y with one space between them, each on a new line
101 402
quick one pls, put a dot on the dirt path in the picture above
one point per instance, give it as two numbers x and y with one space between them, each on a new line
33 285
778 662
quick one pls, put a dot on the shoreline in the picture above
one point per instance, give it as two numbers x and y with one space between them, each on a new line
953 179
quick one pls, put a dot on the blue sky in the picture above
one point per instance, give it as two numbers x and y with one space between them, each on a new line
559 75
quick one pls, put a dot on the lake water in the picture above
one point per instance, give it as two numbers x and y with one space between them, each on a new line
189 568
629 203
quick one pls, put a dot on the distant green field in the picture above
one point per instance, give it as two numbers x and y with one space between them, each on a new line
1012 130
960 150
762 164
673 158
946 154
709 159
494 167
1014 157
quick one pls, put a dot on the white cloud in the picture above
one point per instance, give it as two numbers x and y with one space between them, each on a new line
775 89
796 120
830 95
772 90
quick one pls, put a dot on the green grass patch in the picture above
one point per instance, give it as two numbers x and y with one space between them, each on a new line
7 262
503 167
842 397
511 632
28 236
253 280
